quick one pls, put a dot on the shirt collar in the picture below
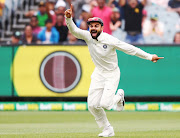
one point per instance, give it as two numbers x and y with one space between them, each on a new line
100 37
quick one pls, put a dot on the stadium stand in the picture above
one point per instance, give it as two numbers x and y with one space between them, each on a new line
170 19
14 19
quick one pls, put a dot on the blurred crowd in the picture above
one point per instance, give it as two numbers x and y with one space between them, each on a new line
128 20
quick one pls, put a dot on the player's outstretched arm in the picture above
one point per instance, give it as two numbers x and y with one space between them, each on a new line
79 33
132 50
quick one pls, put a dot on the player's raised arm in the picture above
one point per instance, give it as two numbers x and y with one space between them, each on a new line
79 33
68 12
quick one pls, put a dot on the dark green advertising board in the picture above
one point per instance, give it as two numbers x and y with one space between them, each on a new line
5 71
144 78
139 77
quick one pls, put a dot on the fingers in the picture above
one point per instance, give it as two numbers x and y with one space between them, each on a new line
156 59
68 13
71 8
160 57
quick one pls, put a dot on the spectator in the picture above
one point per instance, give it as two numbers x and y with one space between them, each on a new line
85 15
177 38
115 3
103 12
72 40
83 25
34 24
153 26
77 6
93 4
49 34
61 28
2 5
42 15
15 39
60 8
161 3
144 14
28 36
50 6
133 19
174 5
115 19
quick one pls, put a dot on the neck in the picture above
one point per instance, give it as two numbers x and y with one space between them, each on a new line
101 7
48 30
28 36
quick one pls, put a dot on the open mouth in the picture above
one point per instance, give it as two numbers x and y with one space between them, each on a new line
93 32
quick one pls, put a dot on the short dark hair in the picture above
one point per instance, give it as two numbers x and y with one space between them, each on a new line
34 16
48 21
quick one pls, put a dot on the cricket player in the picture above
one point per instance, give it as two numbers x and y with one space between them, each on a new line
105 78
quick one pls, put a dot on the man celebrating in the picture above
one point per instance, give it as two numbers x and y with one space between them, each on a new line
105 78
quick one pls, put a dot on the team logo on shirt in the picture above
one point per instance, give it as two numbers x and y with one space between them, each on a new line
104 46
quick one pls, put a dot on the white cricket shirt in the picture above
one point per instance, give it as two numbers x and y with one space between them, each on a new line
103 50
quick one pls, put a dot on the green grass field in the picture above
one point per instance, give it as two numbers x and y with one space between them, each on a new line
61 124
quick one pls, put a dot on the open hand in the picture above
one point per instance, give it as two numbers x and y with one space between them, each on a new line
155 58
68 12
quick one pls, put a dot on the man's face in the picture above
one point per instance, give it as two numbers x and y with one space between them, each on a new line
132 3
95 29
101 3
154 22
42 9
60 19
49 26
34 22
116 15
60 10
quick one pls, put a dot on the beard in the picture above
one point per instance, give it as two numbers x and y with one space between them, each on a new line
94 31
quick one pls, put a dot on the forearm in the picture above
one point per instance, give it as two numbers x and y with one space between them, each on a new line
78 33
112 27
142 54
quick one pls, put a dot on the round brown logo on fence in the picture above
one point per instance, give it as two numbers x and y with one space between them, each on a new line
60 72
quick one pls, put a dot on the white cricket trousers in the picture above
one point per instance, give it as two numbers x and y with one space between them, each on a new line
102 94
